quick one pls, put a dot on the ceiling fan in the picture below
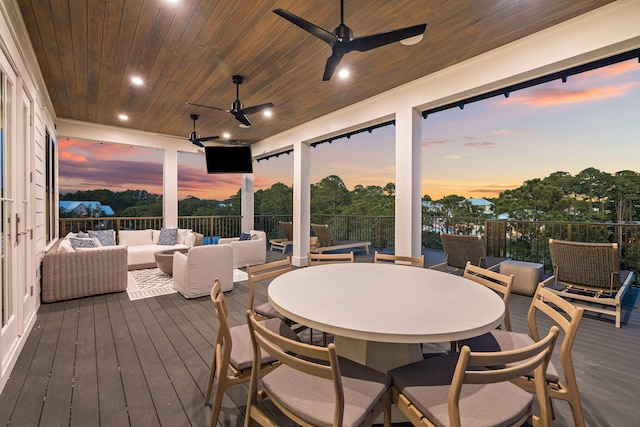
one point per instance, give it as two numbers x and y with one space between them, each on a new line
195 138
238 110
342 40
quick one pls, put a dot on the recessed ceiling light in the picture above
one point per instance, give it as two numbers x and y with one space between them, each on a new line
123 117
137 81
412 40
343 73
226 135
268 113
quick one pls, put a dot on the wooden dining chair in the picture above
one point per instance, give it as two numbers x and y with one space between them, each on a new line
314 386
413 261
261 273
500 283
317 259
320 259
457 390
232 360
562 314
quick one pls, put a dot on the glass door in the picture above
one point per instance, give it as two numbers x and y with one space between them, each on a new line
8 297
23 241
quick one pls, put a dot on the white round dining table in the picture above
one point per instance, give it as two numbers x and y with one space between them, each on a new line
380 314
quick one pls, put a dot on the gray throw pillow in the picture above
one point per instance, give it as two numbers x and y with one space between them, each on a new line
168 236
82 243
82 235
106 237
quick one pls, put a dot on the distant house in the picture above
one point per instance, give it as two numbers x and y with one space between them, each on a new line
431 206
482 203
83 209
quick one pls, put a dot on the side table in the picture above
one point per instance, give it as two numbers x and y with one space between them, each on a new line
164 259
526 275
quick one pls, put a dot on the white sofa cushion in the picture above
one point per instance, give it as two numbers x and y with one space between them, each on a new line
65 247
182 234
189 239
135 237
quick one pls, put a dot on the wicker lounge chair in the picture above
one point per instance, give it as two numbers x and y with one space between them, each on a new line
459 249
281 244
590 272
411 261
319 259
326 242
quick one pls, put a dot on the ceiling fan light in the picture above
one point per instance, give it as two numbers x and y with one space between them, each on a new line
412 40
243 126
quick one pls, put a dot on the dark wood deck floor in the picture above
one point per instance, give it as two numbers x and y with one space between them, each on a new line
107 361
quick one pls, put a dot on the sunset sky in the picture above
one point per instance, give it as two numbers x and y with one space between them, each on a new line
592 120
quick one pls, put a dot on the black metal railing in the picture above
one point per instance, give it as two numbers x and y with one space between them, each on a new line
520 240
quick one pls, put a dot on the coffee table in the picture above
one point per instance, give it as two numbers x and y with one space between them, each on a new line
164 259
380 314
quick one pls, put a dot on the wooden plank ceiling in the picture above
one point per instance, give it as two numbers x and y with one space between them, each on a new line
187 51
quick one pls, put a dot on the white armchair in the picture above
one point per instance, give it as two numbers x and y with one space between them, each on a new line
195 271
248 252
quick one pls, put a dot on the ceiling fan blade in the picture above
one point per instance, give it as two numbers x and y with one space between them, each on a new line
242 119
365 43
257 108
331 65
197 142
209 138
320 33
206 106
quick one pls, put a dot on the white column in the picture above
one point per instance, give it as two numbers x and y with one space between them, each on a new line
246 196
408 236
301 203
170 187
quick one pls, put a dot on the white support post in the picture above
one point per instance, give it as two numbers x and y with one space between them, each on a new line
170 187
301 203
247 202
408 236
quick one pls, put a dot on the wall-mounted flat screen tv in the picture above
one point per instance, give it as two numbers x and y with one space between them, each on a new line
229 159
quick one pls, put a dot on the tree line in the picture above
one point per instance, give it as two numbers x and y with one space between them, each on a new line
591 195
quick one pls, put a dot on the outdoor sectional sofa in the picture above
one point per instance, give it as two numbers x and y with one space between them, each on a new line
143 244
72 272
251 251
